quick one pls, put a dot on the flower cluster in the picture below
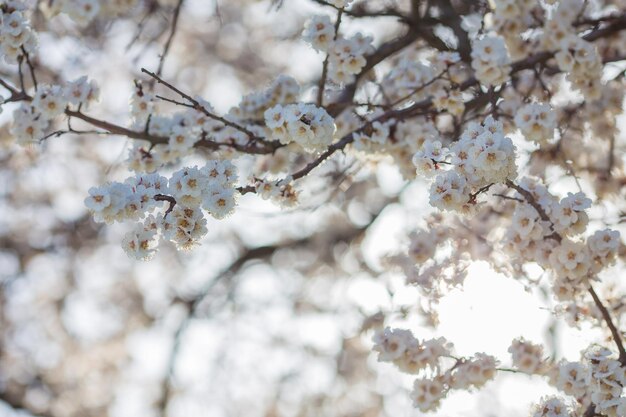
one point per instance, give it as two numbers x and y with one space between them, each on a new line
185 129
411 356
182 131
374 136
608 379
553 242
603 247
572 378
129 200
212 187
559 26
580 60
422 245
491 61
552 407
537 122
510 19
449 100
429 264
16 36
31 119
283 90
474 372
319 31
142 106
309 126
528 357
281 192
575 56
187 192
598 380
570 262
482 156
346 56
428 392
410 79
449 191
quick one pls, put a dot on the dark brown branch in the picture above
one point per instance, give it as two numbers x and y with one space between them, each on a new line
59 133
617 337
451 18
591 411
506 197
169 199
612 28
8 86
384 51
473 196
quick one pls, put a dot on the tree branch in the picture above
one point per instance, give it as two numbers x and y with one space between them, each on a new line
322 83
196 105
168 43
606 315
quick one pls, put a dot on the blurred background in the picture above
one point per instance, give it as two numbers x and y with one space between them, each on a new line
273 314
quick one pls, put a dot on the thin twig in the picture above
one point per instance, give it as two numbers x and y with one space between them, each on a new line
168 43
506 197
611 163
20 73
322 83
472 196
196 105
617 337
31 68
530 199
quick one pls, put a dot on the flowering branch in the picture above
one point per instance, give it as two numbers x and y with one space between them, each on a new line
530 199
322 83
199 107
617 337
